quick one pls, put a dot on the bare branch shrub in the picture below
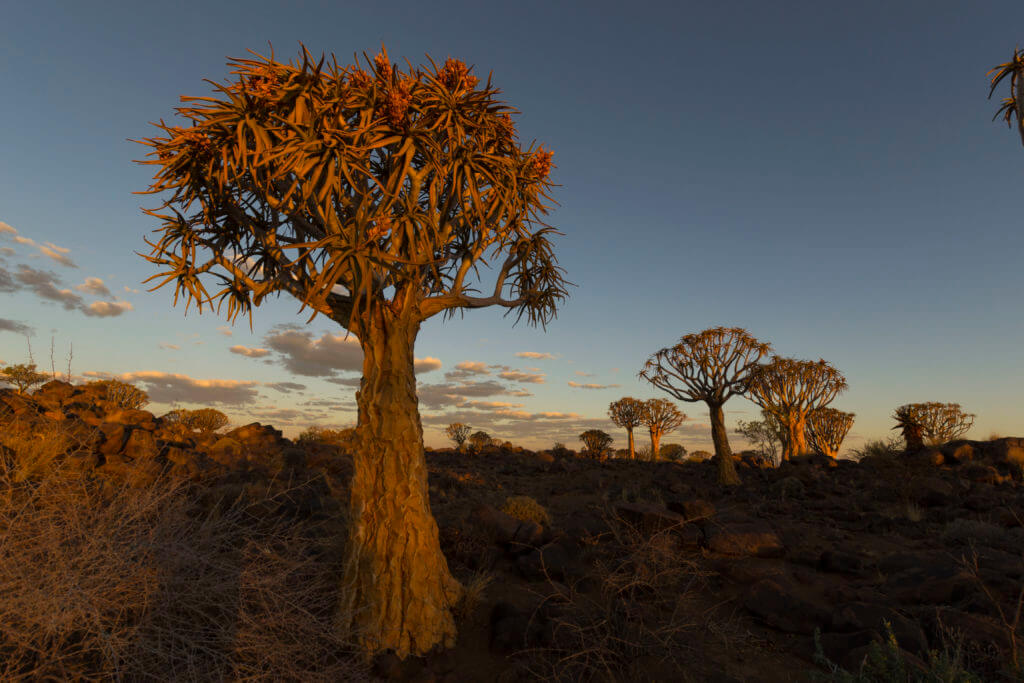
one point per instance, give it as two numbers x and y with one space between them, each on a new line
826 429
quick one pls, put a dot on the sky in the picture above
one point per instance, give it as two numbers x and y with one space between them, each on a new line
826 175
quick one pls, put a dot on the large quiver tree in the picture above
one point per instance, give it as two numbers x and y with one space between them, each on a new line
372 196
711 366
932 423
627 413
791 389
826 429
661 417
1012 105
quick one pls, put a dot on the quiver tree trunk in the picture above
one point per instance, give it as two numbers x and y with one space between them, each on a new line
723 454
795 442
632 449
655 441
398 592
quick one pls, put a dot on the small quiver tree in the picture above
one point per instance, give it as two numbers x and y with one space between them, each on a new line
826 429
204 420
1012 105
373 196
791 389
661 417
711 366
596 443
458 433
931 423
121 394
23 376
627 413
480 440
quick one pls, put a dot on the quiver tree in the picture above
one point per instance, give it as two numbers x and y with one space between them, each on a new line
23 376
931 423
627 413
826 429
480 440
457 432
661 417
1013 105
373 196
791 389
711 366
596 443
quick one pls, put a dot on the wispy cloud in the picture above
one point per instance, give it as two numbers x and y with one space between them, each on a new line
534 354
286 387
6 251
14 326
248 352
171 347
94 286
577 385
165 387
526 377
580 373
58 254
106 309
427 364
44 284
467 369
225 330
7 229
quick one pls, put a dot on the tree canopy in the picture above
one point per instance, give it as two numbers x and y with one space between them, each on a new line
1012 106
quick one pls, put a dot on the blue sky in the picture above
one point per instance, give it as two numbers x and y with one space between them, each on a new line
824 174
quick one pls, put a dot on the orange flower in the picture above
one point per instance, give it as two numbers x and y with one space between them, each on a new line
540 164
396 103
455 75
194 140
381 228
358 79
383 64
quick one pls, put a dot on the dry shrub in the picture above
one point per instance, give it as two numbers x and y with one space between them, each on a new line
100 581
526 509
33 448
643 611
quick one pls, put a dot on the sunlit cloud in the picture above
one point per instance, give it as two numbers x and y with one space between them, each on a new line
6 251
7 229
580 373
106 309
15 326
517 376
130 290
454 394
225 330
247 352
301 354
427 364
58 254
577 385
534 354
171 347
466 369
24 240
166 387
94 286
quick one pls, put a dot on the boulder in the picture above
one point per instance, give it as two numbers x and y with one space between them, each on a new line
140 445
751 539
548 562
693 510
958 452
839 562
496 526
226 451
860 616
130 416
779 605
1008 451
55 390
648 518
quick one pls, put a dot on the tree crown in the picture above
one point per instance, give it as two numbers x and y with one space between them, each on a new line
352 190
1013 105
787 384
827 427
710 366
936 422
627 412
662 416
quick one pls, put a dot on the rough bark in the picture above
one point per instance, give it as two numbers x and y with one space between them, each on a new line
632 449
397 589
655 441
795 442
723 454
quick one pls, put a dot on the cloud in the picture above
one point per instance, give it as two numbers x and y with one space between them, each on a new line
535 354
24 240
106 309
223 329
14 326
492 405
130 290
94 286
285 387
580 373
427 364
58 254
466 369
166 387
304 355
5 228
455 394
6 251
44 284
517 376
7 283
172 347
577 385
346 381
247 352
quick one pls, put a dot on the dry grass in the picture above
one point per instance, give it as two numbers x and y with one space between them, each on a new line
643 612
105 582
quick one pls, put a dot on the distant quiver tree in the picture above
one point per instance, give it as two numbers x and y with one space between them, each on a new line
931 423
791 389
661 417
23 376
596 443
711 366
457 432
627 413
826 429
1013 105
373 196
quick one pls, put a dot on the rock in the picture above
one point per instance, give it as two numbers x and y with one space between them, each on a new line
649 519
937 584
140 445
753 539
932 492
226 451
114 435
981 474
958 452
55 390
838 562
496 526
549 562
860 616
509 629
694 510
788 487
778 605
130 416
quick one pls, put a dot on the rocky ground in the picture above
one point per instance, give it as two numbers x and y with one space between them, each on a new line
649 571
